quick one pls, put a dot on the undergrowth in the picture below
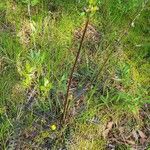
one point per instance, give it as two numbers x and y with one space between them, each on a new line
109 88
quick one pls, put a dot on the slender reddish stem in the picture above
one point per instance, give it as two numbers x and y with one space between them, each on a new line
67 101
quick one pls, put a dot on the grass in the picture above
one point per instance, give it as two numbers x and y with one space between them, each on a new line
38 46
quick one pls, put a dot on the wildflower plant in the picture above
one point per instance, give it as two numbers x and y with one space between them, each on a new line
34 71
92 7
89 12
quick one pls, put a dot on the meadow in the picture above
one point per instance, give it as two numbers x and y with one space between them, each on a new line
74 75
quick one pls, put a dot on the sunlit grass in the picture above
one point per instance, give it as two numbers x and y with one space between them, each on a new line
44 43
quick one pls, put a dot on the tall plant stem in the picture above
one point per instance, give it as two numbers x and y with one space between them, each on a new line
117 41
67 101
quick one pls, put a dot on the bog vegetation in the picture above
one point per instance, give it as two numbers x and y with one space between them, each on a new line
74 75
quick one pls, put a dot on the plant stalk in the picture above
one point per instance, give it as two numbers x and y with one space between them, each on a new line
67 101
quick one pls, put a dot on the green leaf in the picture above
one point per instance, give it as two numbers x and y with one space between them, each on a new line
46 82
91 2
82 14
34 2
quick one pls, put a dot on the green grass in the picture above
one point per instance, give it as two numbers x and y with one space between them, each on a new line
37 50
